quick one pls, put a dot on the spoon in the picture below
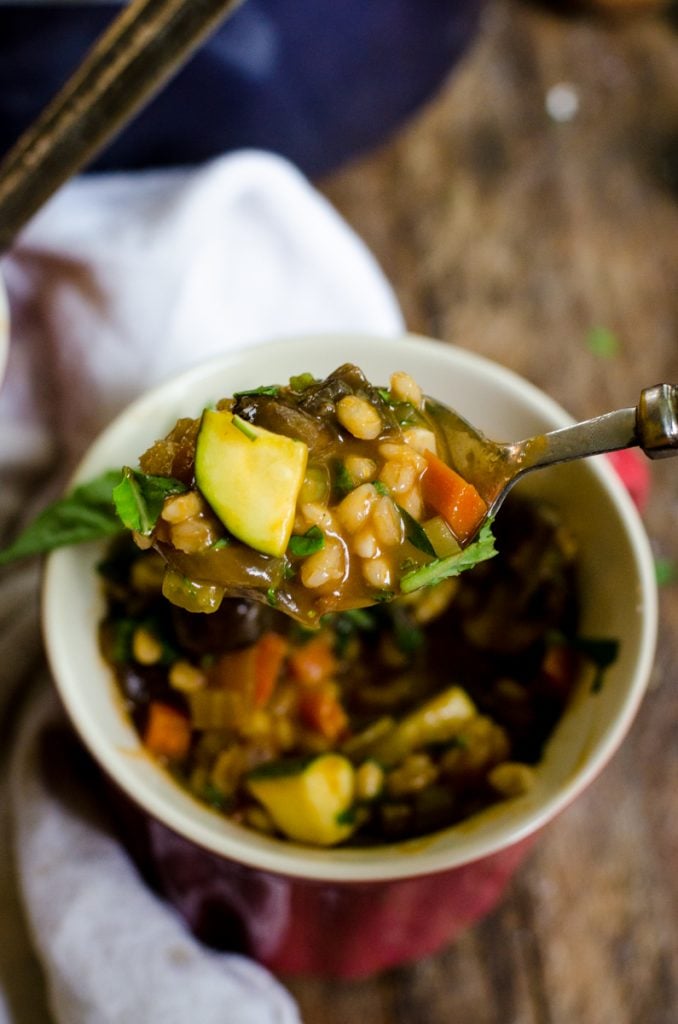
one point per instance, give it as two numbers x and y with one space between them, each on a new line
493 468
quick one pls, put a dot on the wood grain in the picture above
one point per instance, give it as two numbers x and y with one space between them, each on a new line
515 235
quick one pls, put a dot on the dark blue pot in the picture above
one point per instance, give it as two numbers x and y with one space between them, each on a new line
318 81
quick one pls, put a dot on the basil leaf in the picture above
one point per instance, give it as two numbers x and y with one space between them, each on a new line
481 549
139 498
415 533
306 543
86 513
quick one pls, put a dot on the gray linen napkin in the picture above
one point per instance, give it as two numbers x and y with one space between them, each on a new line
119 282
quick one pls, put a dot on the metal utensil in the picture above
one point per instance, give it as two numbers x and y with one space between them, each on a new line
133 58
493 468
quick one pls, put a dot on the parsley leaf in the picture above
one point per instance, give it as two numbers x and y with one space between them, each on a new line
425 576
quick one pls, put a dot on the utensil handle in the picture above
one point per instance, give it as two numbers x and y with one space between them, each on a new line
657 421
132 59
652 426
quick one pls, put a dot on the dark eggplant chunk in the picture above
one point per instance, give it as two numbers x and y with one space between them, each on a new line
283 417
320 399
236 623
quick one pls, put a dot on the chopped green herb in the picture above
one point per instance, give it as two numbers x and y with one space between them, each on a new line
122 633
385 395
245 428
86 513
433 572
603 342
139 498
265 389
306 543
272 596
380 488
347 816
343 481
382 596
288 570
282 767
415 533
215 797
218 545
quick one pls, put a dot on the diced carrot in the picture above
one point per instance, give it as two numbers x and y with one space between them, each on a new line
314 661
252 672
452 497
168 731
271 650
321 710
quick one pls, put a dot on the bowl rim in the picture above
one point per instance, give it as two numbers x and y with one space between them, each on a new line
387 862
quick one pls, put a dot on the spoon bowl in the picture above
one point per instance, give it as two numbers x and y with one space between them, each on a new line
490 467
493 468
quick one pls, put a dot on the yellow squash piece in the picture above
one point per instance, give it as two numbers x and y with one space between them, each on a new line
251 478
313 803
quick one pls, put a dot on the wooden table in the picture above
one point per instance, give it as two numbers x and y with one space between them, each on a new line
517 235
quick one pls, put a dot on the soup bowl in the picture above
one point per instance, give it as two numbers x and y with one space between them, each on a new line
351 911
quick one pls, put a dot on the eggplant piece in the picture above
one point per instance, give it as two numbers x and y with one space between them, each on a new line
236 623
320 399
280 417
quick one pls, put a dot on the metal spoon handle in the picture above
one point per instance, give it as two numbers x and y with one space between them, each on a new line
129 63
652 426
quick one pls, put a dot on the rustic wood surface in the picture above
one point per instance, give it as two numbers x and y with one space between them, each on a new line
515 235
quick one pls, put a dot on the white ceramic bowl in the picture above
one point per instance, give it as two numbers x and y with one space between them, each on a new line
618 598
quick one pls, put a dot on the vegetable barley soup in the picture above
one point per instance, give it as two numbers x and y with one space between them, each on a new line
426 700
383 723
314 497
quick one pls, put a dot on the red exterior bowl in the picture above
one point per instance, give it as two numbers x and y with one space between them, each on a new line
348 912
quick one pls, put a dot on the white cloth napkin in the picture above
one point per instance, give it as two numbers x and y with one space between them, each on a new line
119 282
